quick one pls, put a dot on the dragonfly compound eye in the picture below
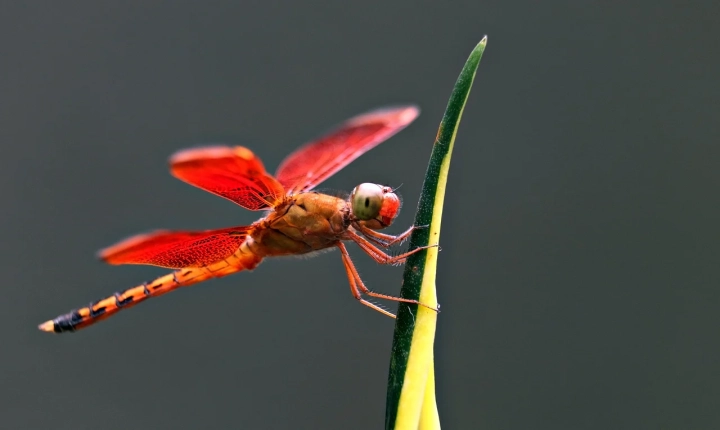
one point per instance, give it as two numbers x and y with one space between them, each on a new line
367 200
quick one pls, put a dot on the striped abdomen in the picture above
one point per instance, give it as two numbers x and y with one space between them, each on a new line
243 259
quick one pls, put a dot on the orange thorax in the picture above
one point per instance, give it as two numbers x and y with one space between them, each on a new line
303 223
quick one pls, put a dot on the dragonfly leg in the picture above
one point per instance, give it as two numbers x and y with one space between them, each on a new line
358 288
386 240
378 254
354 277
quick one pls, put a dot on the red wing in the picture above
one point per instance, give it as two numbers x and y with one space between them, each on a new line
234 173
176 249
316 161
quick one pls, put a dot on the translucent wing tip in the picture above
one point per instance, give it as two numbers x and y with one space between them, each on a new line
106 254
214 151
400 115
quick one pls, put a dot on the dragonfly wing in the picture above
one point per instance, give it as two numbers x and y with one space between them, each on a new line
233 173
176 249
316 161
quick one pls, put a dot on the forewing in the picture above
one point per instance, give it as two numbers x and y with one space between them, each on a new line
316 161
233 173
176 249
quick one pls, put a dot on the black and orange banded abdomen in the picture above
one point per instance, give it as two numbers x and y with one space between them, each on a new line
109 306
105 308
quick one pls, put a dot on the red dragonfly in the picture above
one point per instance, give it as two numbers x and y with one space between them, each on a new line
299 221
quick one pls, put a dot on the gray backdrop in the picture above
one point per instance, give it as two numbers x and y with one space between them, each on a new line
579 271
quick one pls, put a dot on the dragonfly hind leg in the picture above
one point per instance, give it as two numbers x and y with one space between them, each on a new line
358 288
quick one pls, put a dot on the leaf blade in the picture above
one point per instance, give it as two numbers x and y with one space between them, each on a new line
411 364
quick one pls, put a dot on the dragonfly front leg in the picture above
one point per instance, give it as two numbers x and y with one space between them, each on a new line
358 288
378 254
386 240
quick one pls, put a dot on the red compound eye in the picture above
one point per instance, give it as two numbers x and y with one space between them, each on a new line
390 207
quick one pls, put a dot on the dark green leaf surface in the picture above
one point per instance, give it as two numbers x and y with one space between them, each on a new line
416 264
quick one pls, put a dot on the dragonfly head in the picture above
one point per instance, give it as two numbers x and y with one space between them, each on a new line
375 206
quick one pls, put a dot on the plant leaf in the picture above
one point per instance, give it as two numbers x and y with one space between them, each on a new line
411 382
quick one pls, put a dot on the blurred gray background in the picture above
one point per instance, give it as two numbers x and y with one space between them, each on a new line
579 272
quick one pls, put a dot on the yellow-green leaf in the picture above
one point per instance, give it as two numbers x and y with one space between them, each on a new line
411 382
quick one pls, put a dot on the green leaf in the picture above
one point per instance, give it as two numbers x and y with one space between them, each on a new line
411 382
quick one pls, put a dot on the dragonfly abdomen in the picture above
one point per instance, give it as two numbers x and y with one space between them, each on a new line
109 306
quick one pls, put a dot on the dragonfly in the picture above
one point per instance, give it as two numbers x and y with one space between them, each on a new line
298 220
